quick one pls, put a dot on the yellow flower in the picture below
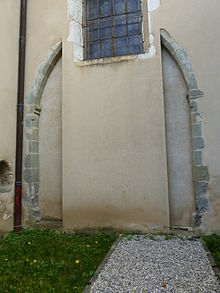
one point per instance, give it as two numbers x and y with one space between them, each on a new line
77 261
35 260
96 242
6 259
29 243
87 245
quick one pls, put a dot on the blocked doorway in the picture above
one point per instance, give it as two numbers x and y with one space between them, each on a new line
50 147
179 146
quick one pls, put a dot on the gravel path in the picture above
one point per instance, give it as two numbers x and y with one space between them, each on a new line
145 265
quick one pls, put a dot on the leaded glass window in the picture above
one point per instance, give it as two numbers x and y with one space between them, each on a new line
113 28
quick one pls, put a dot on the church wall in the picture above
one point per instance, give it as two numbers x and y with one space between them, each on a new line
179 144
50 148
114 149
113 132
113 127
194 25
45 24
9 29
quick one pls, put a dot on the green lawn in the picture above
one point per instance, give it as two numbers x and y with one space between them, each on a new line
46 261
213 244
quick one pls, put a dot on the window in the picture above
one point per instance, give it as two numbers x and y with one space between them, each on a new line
113 28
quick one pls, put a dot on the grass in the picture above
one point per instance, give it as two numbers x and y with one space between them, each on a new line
46 261
213 244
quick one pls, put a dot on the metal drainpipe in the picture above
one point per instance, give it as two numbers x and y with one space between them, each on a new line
20 117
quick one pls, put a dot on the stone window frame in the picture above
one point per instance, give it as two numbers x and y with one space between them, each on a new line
76 12
91 24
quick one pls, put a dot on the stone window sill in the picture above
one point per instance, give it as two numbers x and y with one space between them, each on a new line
118 59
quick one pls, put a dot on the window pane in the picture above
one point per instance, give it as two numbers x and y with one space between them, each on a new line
118 6
92 31
120 26
93 50
105 7
106 48
134 24
135 45
91 6
133 5
120 46
113 30
105 27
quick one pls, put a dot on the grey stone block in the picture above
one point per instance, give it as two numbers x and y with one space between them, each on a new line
198 143
200 173
32 121
197 157
36 214
34 147
191 82
197 219
32 161
200 188
30 201
43 73
32 134
181 58
195 94
34 189
196 129
196 117
193 105
31 175
202 204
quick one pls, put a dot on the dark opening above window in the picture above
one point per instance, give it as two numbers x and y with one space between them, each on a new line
113 28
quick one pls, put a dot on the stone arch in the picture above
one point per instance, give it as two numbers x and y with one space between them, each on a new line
200 171
43 74
31 138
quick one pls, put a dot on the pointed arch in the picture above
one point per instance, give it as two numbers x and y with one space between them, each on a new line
200 171
43 74
31 125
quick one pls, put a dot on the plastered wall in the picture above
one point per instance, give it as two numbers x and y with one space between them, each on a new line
113 128
179 144
9 18
113 132
194 25
50 149
114 151
45 25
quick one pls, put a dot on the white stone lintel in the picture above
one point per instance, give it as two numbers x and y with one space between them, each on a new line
75 10
153 5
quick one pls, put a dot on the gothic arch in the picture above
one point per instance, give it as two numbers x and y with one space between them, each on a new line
200 171
31 138
43 74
